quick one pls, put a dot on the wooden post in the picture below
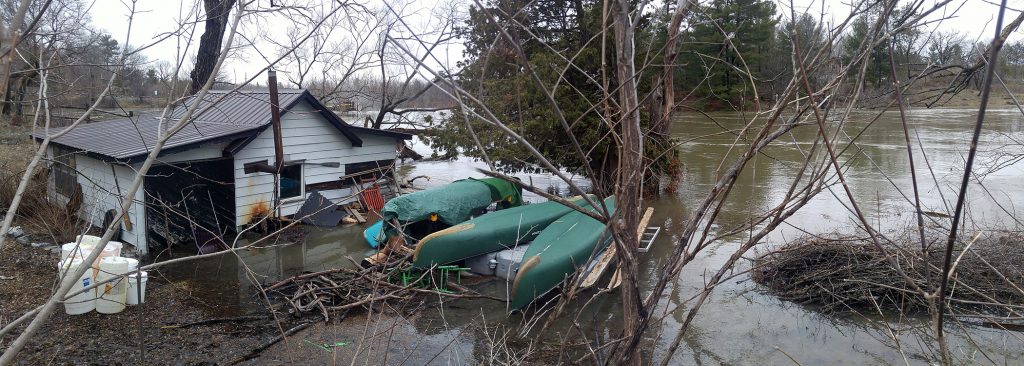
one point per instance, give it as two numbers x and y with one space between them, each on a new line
275 120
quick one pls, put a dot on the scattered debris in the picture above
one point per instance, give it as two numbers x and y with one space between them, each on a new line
16 232
354 211
326 346
319 211
340 290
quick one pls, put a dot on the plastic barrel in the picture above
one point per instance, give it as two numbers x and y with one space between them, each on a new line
83 302
134 287
113 294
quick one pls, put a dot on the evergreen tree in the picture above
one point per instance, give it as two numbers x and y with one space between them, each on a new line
903 43
494 71
729 36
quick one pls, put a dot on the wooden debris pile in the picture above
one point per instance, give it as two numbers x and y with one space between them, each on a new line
841 273
340 290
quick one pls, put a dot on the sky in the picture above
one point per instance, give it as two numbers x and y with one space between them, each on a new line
153 18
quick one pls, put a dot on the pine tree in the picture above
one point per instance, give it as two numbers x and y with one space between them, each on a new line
729 36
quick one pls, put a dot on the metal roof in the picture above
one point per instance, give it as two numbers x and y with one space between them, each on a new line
244 107
123 139
236 115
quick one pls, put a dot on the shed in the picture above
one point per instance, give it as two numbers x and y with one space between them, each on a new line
202 174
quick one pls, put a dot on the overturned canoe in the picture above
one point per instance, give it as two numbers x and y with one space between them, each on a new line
558 251
423 212
488 233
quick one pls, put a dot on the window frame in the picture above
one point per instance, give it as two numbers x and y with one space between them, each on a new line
362 166
64 170
302 183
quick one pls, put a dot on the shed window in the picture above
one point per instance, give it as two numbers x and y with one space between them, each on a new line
65 175
290 183
366 171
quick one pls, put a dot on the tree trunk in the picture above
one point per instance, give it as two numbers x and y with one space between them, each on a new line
210 44
668 100
630 174
6 43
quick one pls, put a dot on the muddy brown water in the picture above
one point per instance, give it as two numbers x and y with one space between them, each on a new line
740 323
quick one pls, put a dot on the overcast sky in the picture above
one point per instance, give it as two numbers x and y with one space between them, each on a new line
155 17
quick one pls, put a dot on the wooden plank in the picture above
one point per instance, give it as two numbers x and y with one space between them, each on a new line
616 279
383 255
602 264
355 213
605 259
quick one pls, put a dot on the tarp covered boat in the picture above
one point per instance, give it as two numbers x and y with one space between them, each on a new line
424 212
488 233
558 251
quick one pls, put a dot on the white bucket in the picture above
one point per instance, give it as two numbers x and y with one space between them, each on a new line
116 247
81 250
113 294
83 302
112 249
134 297
133 264
90 240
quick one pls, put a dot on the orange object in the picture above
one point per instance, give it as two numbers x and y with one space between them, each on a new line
372 199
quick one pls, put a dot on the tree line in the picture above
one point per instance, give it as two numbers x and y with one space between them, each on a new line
733 55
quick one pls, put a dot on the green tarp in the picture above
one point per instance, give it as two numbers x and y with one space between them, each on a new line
453 203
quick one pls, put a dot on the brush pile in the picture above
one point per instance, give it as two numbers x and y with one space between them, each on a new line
340 290
842 273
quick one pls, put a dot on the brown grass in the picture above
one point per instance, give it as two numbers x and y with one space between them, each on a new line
39 216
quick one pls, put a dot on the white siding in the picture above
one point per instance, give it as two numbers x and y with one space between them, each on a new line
100 193
306 136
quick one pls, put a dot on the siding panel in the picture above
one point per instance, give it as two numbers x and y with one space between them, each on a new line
306 136
100 193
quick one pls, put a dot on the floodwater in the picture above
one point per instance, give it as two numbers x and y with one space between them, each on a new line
740 323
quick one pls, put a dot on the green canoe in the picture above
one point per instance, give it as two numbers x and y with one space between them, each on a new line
558 251
432 209
488 233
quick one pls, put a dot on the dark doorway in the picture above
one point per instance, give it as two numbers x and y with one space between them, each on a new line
190 205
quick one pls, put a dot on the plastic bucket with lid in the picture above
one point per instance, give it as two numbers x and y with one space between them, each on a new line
81 250
112 249
135 286
83 302
90 240
133 264
113 294
116 247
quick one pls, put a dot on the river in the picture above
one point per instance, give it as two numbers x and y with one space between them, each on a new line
741 323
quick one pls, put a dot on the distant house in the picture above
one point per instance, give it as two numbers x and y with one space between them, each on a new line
204 172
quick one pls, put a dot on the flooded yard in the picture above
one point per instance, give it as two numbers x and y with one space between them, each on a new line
741 323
